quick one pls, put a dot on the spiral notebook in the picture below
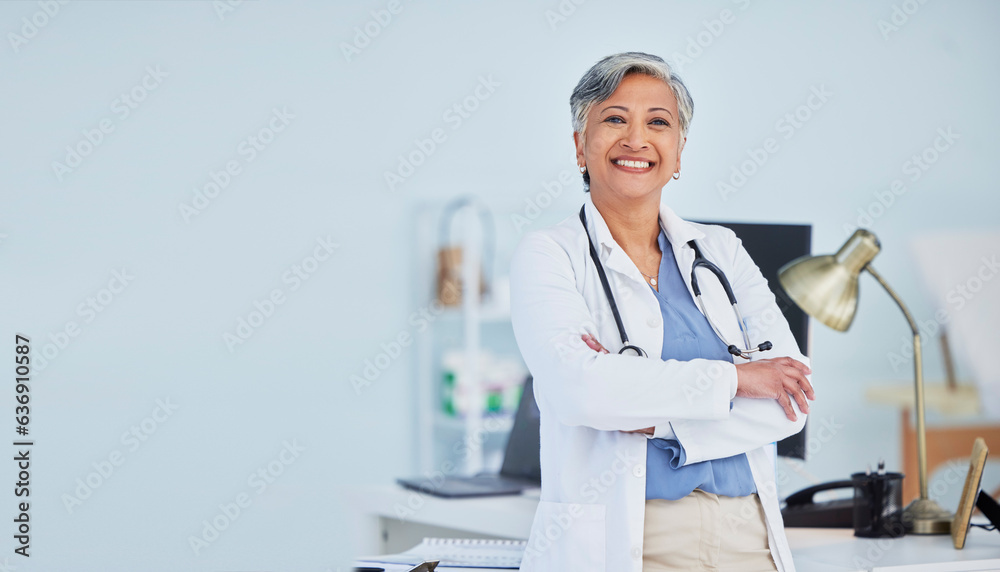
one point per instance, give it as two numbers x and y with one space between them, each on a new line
460 553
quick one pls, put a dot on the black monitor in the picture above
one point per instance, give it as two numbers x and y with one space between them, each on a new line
771 246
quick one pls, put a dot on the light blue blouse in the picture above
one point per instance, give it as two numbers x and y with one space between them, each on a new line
687 335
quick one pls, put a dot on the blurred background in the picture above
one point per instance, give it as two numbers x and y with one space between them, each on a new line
219 226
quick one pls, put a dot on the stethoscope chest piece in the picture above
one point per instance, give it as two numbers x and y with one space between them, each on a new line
632 348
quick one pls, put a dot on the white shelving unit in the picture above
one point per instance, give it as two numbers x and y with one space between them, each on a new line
444 443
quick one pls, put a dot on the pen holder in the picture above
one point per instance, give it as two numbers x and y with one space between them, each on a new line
878 505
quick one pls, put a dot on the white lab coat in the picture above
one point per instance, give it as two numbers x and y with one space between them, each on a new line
590 516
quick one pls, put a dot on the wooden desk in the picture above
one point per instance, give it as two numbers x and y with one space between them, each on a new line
392 519
944 444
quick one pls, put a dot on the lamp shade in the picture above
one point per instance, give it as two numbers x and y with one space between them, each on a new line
826 287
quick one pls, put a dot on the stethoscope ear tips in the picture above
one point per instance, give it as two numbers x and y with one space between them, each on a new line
745 354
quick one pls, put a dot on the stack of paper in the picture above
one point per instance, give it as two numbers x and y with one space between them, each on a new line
460 553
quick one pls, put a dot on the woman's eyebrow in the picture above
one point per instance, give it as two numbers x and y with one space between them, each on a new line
625 109
622 107
667 111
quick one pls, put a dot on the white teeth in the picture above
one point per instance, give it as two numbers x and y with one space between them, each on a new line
633 164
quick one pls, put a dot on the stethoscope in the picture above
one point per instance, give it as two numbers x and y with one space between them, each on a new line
699 262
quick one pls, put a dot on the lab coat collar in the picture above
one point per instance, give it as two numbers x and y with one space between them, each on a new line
678 231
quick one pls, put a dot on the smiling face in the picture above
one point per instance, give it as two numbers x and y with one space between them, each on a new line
633 140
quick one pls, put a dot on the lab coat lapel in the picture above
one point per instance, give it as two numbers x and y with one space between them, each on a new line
613 256
636 301
680 232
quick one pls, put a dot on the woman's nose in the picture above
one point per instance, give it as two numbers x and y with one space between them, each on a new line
635 138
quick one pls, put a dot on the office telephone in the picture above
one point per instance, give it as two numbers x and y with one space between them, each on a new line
802 511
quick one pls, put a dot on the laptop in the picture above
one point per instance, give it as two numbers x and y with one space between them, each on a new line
521 468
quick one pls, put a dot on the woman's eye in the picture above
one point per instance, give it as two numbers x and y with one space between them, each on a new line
614 119
660 122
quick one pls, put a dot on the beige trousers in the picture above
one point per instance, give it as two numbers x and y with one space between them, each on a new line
705 531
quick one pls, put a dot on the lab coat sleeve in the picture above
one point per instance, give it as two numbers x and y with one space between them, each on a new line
752 423
582 387
665 431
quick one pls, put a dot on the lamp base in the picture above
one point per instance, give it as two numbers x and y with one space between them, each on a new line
924 516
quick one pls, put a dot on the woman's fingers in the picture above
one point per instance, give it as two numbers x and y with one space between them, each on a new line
796 384
808 389
647 431
804 370
593 344
782 379
796 364
804 382
786 404
792 389
795 381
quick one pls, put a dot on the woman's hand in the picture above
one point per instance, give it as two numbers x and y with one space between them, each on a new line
776 378
595 345
781 379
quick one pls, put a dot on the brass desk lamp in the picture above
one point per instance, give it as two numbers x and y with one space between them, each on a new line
826 288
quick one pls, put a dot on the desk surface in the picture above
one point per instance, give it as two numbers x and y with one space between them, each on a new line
503 516
829 549
814 549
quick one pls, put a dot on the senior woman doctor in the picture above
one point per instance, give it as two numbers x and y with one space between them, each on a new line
665 462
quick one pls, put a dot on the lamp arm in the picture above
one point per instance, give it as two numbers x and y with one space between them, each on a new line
918 376
895 297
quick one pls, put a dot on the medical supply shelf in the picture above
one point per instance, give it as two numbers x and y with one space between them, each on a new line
458 445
